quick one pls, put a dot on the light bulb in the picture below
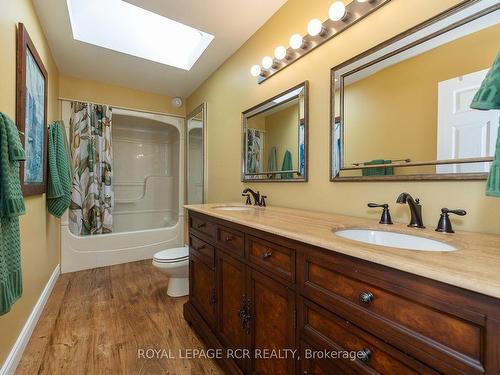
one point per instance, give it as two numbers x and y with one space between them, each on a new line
314 27
267 62
364 1
280 52
255 70
296 41
337 11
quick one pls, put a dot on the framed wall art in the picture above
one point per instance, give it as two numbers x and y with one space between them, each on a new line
31 113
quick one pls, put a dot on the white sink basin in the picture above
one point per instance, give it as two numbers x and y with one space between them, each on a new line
233 208
392 239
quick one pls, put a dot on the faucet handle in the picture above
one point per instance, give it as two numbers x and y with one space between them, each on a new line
248 201
458 212
444 223
386 215
263 200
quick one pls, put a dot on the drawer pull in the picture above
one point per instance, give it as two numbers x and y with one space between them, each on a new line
228 238
267 254
366 298
202 225
365 355
199 248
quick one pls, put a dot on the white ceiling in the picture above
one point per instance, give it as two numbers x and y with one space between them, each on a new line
232 22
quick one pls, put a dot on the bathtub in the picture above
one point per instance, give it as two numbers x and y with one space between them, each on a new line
148 214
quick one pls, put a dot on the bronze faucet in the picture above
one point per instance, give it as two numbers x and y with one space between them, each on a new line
415 209
257 199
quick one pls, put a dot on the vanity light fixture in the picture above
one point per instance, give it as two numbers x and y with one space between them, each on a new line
340 18
337 11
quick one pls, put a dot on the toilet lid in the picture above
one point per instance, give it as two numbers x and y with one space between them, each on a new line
171 255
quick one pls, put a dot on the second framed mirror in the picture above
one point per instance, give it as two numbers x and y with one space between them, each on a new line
275 137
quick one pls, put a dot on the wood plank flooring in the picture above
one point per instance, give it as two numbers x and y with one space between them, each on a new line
98 321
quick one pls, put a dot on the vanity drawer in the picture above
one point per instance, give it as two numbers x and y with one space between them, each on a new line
429 330
202 250
203 226
277 259
231 239
330 332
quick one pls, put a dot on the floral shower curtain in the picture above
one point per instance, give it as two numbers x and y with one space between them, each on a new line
255 150
92 200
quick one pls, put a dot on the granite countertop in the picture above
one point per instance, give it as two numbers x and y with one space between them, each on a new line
474 266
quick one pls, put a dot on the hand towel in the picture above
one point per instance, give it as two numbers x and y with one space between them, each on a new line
488 97
374 171
11 207
60 175
287 165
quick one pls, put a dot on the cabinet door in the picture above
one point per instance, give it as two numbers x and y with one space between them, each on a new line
202 292
272 318
232 307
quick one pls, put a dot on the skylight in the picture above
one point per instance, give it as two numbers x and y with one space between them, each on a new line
123 27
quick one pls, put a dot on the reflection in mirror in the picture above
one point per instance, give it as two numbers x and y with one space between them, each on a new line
274 138
196 130
405 107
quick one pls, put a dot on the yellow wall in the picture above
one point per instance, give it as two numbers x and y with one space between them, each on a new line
402 100
39 231
282 132
224 120
87 90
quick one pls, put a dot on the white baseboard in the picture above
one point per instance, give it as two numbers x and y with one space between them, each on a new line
10 364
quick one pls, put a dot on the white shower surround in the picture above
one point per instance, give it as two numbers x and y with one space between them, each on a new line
129 243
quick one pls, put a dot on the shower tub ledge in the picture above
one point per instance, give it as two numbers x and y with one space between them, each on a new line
85 252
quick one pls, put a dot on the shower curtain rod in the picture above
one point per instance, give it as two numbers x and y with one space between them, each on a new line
121 107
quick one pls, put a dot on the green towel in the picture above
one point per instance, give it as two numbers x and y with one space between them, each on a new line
60 176
287 165
488 97
272 166
11 206
382 171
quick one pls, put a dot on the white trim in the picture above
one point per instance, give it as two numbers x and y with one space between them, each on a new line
10 364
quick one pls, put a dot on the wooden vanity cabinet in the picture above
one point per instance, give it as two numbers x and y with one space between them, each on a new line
250 290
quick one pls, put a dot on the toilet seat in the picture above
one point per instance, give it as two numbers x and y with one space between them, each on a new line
174 255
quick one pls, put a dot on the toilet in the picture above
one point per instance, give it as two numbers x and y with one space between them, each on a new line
174 263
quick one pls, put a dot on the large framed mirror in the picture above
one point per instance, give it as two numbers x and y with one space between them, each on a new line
196 171
274 138
401 111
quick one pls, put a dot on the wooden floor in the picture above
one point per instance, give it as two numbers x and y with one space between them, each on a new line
97 321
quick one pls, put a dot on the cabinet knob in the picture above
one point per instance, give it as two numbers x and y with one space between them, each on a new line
364 355
228 238
366 298
199 248
202 225
267 254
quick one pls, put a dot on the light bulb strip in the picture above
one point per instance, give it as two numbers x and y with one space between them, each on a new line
355 11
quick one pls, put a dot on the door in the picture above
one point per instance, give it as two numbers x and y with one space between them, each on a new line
464 132
202 292
232 308
272 323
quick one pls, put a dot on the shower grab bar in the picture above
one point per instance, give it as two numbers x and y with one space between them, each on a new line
143 194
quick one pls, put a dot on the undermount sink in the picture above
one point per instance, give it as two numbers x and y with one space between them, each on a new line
393 239
233 208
